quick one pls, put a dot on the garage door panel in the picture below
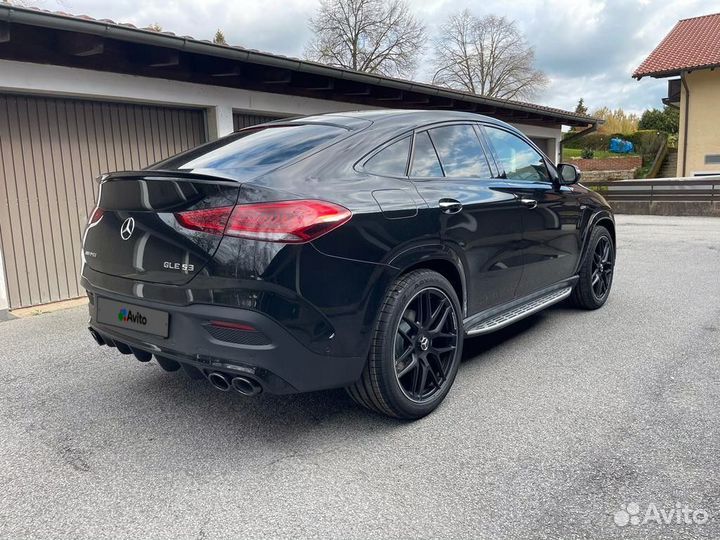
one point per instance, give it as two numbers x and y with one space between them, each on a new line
43 222
70 227
44 161
246 119
10 214
51 150
56 127
26 194
27 232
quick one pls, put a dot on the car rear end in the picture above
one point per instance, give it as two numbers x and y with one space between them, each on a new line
194 263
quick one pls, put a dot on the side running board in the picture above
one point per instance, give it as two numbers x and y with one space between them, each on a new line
505 318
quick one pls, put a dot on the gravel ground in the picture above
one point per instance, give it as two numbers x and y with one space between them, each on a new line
553 427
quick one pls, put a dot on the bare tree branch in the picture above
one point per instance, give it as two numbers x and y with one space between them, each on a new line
487 56
377 36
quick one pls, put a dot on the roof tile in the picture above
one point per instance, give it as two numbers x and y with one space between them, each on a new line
691 44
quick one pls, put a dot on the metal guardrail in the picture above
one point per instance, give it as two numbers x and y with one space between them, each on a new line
692 189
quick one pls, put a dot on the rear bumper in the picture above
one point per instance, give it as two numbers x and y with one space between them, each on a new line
270 354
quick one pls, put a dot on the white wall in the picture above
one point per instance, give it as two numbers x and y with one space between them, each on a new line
219 101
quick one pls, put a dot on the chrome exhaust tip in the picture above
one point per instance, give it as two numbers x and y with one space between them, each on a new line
219 381
245 386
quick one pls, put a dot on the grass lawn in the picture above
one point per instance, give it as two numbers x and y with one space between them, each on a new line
599 154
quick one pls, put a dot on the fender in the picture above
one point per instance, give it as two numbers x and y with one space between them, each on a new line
595 218
428 253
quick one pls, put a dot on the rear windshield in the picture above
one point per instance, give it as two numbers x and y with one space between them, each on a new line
256 150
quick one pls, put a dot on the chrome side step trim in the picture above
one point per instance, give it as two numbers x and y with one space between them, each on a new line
501 320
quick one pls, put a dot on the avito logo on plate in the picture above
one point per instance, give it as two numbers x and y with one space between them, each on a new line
129 316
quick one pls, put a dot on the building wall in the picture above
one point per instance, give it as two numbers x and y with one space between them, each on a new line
704 118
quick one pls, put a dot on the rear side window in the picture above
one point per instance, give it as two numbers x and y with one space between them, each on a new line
460 152
425 163
519 160
255 151
391 160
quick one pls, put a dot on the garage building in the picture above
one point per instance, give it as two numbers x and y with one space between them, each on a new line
80 97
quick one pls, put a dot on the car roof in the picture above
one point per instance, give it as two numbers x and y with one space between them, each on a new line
400 118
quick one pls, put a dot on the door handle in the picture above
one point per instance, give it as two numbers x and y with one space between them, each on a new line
450 206
530 203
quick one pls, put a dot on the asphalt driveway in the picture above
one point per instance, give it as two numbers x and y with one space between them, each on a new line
553 427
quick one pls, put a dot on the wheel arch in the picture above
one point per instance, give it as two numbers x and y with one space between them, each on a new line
439 259
600 219
609 224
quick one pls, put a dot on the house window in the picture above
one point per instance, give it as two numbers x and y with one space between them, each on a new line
712 159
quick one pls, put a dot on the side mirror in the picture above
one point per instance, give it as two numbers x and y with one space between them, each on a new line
569 174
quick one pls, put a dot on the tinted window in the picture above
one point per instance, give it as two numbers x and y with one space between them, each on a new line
391 161
460 151
520 160
255 151
425 162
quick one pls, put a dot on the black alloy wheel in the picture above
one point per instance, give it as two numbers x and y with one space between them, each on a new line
603 262
596 271
425 344
416 349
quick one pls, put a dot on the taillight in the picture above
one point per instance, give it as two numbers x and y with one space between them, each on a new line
95 216
285 221
210 220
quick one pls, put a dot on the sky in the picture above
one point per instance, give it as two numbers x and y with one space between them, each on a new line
588 48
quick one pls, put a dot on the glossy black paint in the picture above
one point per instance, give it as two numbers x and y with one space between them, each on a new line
324 296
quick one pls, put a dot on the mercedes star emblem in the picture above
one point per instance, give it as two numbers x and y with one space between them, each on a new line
127 228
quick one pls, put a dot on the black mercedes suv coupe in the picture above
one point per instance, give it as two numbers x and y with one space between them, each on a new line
352 250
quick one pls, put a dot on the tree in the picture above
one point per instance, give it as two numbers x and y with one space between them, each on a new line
617 121
667 120
486 55
581 108
219 38
377 36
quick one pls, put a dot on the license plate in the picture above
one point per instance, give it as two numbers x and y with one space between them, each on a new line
132 317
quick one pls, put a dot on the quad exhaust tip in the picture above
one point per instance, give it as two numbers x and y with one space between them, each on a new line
242 385
245 386
219 381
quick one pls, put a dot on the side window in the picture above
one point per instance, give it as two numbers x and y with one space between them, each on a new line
425 162
519 160
460 152
392 160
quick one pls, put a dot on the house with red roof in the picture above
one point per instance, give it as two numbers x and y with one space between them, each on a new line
690 56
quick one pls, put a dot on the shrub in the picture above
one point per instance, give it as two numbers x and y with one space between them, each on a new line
646 142
587 153
666 120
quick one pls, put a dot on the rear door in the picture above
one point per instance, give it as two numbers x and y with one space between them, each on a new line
477 217
551 217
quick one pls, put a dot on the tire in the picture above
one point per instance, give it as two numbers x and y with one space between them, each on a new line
419 331
599 264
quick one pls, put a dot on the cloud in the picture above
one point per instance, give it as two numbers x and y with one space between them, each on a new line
588 48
